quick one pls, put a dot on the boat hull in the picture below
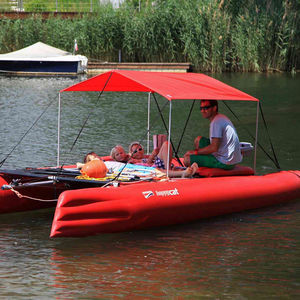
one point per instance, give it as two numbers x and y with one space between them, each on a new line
144 205
10 202
40 67
30 189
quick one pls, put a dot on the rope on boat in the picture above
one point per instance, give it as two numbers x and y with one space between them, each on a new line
85 121
274 160
90 113
273 150
157 177
31 198
185 126
19 142
293 172
155 120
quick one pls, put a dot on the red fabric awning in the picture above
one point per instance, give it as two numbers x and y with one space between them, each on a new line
169 85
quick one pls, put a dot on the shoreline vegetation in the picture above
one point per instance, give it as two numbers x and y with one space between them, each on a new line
212 35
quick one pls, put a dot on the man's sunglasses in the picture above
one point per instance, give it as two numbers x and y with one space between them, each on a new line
205 107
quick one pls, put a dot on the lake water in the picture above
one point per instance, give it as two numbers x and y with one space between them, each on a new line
249 255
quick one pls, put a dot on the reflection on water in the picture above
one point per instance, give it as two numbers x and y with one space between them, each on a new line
243 255
249 255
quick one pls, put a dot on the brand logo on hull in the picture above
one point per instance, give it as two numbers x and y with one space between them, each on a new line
148 194
166 193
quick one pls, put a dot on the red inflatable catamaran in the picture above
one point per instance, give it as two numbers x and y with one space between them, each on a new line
88 207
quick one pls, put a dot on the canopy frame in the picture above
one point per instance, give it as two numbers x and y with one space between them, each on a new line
146 84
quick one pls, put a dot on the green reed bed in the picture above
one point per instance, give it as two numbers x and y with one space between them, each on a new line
213 35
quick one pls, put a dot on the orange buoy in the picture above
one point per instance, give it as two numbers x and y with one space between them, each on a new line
95 168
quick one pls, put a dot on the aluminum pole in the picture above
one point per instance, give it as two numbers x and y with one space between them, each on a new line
148 125
256 137
169 137
58 130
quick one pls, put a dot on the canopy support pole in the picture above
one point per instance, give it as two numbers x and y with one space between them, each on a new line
58 130
148 125
186 123
256 137
166 128
169 137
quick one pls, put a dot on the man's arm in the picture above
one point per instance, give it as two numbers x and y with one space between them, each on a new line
211 148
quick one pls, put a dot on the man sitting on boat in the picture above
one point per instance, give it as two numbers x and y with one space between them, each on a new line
222 149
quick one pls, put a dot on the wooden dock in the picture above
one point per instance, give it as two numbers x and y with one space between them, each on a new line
101 67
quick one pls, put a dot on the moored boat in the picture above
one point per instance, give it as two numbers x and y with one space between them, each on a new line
42 59
87 206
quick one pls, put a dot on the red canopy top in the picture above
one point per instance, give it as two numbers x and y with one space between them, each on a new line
169 85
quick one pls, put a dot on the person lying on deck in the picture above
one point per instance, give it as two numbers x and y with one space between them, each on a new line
88 157
158 159
137 154
222 149
118 154
93 166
